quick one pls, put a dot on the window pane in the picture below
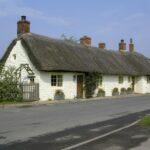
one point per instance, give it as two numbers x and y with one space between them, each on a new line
129 78
120 79
148 79
100 80
53 80
59 80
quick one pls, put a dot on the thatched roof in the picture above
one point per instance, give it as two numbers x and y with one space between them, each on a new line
49 54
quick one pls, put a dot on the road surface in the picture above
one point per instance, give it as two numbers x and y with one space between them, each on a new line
62 125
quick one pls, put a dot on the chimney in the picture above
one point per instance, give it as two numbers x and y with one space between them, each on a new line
131 46
102 45
122 46
85 40
23 26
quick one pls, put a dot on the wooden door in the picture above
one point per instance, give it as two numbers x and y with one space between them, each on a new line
80 86
133 83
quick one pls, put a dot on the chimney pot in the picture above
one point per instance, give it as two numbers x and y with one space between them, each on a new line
122 46
23 18
131 45
102 45
85 40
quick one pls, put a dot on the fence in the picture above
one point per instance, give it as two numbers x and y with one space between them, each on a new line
30 92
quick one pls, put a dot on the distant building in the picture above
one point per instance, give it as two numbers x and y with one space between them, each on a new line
59 65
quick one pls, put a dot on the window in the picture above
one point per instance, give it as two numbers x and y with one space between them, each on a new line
56 80
129 78
14 56
120 79
31 80
100 80
148 79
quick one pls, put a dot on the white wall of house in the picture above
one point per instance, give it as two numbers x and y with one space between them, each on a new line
111 81
69 87
141 85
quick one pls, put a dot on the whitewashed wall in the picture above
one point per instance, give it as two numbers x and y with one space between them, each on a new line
111 82
21 58
141 85
69 86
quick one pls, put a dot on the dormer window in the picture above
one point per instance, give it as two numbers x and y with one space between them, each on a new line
14 56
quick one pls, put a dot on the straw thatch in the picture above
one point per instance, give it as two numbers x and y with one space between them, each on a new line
49 54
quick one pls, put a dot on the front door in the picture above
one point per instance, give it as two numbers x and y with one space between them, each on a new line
80 86
133 83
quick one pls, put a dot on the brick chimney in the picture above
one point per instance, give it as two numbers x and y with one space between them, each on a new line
85 40
122 46
102 45
23 26
131 46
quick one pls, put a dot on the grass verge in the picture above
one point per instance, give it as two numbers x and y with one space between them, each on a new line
145 121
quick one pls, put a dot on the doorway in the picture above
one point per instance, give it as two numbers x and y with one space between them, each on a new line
79 86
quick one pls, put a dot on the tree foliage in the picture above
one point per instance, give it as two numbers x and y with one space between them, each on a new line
9 86
91 83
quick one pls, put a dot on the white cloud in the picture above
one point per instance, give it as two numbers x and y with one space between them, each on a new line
15 7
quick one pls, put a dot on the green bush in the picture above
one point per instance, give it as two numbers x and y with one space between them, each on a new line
91 83
59 95
115 92
129 90
123 91
101 93
9 87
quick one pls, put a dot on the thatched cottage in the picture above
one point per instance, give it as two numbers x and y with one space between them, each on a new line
60 66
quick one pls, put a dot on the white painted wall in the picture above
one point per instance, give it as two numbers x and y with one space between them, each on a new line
141 85
111 82
69 84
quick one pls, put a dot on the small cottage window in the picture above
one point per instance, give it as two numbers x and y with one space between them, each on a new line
14 56
56 80
129 79
121 79
100 80
148 79
32 80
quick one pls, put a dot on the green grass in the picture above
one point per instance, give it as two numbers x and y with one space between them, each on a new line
145 121
9 102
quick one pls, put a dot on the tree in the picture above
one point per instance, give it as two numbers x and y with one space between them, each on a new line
70 39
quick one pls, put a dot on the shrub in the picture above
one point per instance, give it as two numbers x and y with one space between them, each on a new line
91 83
9 87
59 95
115 92
129 90
101 93
123 91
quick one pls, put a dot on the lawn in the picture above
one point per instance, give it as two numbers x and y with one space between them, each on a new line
145 121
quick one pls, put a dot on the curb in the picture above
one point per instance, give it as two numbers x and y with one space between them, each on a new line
53 102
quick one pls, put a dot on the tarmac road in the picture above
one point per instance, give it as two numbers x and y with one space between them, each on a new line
63 125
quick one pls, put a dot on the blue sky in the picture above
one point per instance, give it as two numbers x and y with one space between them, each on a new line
103 20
